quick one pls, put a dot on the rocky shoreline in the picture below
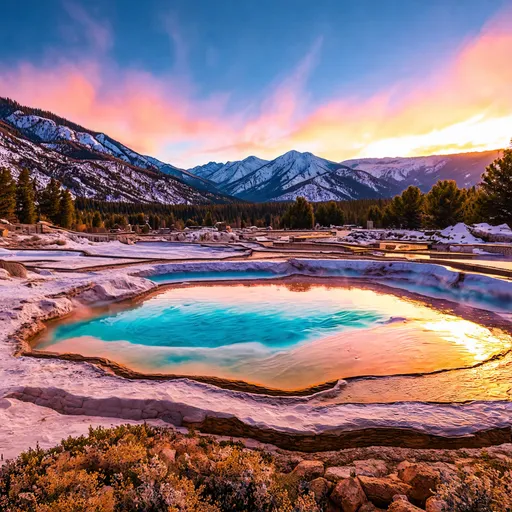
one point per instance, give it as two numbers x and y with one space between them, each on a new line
224 474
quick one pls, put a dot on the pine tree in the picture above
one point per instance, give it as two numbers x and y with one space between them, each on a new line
329 214
50 201
321 215
66 210
208 219
445 204
412 207
474 205
299 215
497 189
375 215
394 213
7 195
96 220
25 206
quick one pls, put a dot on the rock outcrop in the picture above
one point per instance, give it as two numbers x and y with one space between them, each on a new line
349 495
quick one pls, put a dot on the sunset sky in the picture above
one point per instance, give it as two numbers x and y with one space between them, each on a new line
190 81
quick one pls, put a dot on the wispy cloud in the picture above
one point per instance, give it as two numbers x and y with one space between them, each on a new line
464 105
97 31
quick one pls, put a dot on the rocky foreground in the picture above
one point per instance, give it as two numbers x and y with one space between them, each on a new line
151 468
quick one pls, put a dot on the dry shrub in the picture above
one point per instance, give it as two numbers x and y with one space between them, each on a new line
120 469
15 269
485 486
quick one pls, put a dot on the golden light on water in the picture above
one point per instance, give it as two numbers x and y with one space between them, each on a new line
476 339
405 336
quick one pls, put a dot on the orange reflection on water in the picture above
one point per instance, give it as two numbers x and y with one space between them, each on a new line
417 338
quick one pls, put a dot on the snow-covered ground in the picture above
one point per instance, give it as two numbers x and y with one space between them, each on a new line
163 250
83 389
501 233
63 247
26 424
458 234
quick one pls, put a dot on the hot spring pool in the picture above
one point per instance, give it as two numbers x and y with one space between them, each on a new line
281 335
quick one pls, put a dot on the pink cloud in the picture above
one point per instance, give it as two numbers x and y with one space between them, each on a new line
466 104
133 107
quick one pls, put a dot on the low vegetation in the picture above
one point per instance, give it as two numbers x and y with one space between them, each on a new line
143 468
133 468
483 487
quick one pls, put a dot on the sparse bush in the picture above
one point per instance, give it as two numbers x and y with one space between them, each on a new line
130 468
483 487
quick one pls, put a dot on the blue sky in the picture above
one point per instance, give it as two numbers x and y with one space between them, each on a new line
227 60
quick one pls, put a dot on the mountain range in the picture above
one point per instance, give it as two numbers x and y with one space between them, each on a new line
318 179
92 164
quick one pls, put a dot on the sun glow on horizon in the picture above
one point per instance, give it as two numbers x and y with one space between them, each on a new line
475 134
463 105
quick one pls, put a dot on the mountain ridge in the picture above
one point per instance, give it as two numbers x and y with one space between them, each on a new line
319 179
92 164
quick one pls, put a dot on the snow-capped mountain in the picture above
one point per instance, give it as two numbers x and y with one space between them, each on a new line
318 179
273 179
206 170
424 171
293 174
225 174
91 164
94 165
339 185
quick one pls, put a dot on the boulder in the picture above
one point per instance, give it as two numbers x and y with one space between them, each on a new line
14 268
348 495
320 487
403 506
381 490
337 473
421 477
434 504
369 507
371 467
309 469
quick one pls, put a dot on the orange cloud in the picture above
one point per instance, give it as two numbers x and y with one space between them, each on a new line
139 111
466 104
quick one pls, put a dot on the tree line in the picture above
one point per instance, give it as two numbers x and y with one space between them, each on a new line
21 201
444 205
238 214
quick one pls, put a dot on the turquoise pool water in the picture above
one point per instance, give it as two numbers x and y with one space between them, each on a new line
178 319
286 335
174 277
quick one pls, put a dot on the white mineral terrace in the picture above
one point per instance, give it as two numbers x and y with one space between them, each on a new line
78 388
